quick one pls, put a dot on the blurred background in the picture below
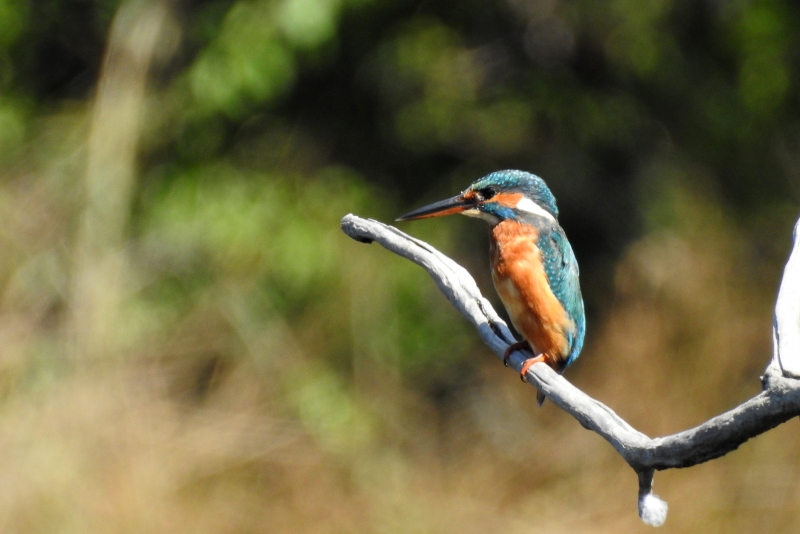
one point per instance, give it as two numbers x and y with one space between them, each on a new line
188 343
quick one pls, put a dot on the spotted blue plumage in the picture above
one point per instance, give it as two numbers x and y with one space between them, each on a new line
498 197
560 264
559 261
523 182
562 272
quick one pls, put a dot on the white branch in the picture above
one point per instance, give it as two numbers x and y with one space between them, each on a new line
779 402
786 331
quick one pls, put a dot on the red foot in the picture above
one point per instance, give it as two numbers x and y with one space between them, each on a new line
527 365
519 345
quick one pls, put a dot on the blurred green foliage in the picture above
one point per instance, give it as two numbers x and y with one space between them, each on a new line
268 373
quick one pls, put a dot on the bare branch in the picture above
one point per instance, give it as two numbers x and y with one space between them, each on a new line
779 402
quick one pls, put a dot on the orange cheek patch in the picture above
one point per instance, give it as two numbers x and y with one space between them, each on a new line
509 200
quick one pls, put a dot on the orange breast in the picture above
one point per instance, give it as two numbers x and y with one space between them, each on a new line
521 282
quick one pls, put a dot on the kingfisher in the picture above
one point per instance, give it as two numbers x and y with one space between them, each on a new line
533 267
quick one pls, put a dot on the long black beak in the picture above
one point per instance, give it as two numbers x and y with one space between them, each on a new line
456 204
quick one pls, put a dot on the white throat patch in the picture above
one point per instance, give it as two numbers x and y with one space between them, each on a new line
529 206
475 212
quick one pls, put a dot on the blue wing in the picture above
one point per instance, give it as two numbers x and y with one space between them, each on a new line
561 269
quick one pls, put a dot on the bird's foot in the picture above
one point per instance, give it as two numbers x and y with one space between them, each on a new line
527 365
519 345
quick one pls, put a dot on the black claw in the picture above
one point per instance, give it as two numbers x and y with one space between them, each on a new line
518 345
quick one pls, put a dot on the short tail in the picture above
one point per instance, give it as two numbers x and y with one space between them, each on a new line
540 398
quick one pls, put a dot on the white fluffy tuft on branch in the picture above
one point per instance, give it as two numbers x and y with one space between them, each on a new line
652 510
778 402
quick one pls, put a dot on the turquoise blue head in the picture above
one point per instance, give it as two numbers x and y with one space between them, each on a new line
496 197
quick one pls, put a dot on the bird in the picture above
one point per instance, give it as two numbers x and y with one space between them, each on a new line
533 267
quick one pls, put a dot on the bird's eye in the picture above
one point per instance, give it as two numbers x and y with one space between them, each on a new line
488 193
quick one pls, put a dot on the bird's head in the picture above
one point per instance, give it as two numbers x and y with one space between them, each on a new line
496 197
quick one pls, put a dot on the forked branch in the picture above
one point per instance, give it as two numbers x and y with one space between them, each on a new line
778 402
